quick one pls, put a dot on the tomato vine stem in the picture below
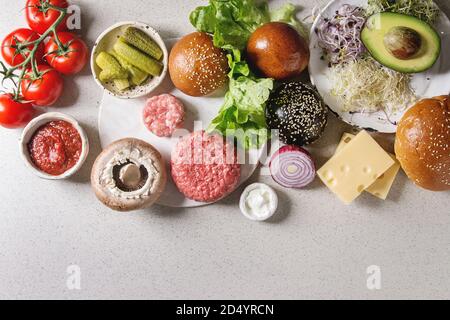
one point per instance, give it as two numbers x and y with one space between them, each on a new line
31 58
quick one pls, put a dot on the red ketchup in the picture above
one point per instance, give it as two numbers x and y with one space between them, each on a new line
55 147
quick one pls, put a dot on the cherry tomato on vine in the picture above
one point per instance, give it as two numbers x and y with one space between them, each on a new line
41 17
14 114
71 58
12 52
45 90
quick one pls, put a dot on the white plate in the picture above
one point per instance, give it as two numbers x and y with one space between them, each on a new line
119 118
433 82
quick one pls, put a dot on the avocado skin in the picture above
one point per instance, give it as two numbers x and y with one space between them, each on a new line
373 41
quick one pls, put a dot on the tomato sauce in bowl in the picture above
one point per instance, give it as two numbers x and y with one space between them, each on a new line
55 147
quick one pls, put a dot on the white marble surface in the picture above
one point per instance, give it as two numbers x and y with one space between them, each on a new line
315 248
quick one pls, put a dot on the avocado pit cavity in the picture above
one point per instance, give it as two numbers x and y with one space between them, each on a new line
402 42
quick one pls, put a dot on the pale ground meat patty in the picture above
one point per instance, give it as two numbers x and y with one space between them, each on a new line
204 167
163 114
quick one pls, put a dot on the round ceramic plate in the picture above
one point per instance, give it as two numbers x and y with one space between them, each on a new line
121 118
433 82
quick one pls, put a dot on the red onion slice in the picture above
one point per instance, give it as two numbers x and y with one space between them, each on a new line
292 167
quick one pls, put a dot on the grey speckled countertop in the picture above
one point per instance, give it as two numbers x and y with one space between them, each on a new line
315 248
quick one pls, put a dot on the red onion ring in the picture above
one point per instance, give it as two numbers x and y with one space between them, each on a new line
292 167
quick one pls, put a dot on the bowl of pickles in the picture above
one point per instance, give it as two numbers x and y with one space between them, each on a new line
129 60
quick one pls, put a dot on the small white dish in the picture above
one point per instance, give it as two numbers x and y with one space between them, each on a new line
34 125
105 42
255 208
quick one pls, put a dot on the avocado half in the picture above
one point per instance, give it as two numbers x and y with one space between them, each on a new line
379 25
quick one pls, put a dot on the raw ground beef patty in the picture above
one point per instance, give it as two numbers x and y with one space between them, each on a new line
163 114
204 167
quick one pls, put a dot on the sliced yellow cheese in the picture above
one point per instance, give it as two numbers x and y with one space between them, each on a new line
345 140
383 185
356 167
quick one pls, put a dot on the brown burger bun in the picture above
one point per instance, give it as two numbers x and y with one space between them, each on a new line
196 66
278 51
422 143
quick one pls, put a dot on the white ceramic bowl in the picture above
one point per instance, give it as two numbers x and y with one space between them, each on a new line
260 216
34 125
105 42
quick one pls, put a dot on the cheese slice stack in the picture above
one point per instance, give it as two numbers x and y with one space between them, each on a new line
383 185
356 167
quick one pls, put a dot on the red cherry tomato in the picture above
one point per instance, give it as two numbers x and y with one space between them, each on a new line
68 60
13 54
45 90
40 17
14 114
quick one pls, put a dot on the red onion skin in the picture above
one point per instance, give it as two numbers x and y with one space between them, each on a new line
293 149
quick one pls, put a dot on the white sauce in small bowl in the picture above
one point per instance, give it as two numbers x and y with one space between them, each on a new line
259 202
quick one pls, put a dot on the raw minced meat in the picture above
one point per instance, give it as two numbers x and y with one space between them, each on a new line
204 167
163 114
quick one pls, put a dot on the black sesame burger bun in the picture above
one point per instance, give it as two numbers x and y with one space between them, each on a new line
196 66
298 112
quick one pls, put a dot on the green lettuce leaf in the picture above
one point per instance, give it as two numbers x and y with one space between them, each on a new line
242 115
288 14
231 21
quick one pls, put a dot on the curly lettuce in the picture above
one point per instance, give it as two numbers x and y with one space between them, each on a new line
242 115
